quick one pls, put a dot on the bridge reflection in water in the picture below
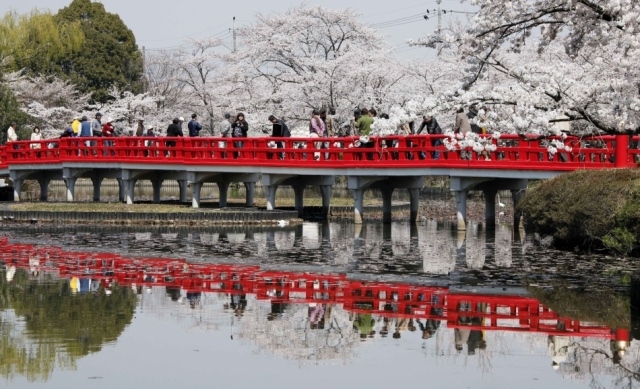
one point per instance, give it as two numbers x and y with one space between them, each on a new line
335 308
431 247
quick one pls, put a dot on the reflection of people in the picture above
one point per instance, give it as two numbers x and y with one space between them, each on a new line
461 334
364 325
558 349
34 266
316 315
429 328
173 293
74 284
277 308
238 303
401 325
618 349
476 337
193 298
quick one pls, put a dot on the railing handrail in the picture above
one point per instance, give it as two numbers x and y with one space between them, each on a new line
511 151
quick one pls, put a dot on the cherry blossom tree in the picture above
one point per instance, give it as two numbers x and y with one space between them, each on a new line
51 102
550 61
310 58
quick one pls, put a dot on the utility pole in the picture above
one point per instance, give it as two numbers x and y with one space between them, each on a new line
144 70
234 34
439 16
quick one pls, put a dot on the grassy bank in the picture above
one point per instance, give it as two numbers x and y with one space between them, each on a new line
587 210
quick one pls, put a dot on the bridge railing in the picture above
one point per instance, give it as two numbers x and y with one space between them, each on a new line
393 151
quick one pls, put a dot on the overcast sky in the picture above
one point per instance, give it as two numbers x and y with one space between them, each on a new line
166 24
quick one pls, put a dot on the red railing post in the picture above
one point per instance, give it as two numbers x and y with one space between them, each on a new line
622 151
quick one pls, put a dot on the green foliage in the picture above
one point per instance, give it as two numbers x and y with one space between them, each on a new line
620 240
587 209
60 327
36 41
604 307
109 56
10 112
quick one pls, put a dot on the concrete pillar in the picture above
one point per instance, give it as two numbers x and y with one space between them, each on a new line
250 189
516 196
70 182
44 188
326 191
271 196
325 231
183 190
196 187
130 186
387 193
358 205
270 244
122 190
490 208
461 247
97 184
157 185
358 242
298 191
17 188
461 209
223 189
414 200
414 242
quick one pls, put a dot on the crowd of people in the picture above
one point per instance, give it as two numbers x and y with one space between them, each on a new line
322 124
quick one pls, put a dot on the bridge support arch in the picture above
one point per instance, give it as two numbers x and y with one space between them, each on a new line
386 185
299 184
197 179
460 187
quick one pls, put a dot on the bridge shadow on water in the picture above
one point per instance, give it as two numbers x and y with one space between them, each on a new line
317 293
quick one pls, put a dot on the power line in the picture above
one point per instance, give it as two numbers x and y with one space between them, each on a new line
401 9
188 36
399 20
418 17
219 35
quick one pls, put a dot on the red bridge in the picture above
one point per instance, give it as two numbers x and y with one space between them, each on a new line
387 299
389 163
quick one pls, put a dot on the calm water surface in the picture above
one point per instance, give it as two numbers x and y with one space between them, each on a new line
314 306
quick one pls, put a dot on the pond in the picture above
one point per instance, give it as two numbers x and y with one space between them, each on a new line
317 305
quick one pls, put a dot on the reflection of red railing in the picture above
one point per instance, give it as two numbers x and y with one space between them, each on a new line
393 151
499 312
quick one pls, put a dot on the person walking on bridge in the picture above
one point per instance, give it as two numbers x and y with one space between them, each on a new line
86 131
140 127
173 131
430 126
463 126
280 130
316 130
35 137
75 126
96 125
239 129
224 128
194 126
107 132
12 135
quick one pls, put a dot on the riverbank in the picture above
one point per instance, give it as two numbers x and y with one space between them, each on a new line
175 213
587 210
